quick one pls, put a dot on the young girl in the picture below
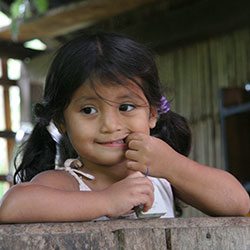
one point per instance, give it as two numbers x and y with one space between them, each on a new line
119 144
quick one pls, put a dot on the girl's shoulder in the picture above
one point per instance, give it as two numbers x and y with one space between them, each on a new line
56 179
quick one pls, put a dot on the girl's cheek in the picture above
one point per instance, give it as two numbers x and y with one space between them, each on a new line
140 127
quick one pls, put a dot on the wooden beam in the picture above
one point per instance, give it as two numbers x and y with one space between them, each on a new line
4 68
71 17
3 177
7 82
10 142
7 110
6 178
14 50
8 134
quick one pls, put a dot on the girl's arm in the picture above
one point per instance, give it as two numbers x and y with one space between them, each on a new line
213 191
33 202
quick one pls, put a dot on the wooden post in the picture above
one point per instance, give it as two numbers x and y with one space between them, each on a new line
7 110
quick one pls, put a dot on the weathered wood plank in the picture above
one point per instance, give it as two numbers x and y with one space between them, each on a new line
62 241
71 17
141 238
210 238
178 234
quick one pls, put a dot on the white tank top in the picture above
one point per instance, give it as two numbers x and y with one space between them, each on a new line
163 195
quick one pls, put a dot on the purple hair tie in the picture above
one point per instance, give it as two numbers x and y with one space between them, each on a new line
165 106
42 121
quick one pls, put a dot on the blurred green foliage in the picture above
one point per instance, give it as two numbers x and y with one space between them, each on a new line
23 9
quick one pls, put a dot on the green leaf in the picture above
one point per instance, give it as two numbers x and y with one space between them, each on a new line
15 8
41 5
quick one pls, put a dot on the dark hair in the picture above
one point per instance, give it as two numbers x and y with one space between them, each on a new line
107 56
174 130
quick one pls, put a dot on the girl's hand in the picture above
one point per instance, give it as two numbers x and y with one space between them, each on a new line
146 151
211 190
123 196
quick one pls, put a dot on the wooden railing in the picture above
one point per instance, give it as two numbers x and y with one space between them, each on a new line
179 233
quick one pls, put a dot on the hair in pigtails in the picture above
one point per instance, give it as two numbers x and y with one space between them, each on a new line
174 130
37 153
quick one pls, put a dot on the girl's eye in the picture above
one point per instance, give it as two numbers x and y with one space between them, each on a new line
126 107
88 110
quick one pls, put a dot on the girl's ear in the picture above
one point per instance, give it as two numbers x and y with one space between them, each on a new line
60 127
153 117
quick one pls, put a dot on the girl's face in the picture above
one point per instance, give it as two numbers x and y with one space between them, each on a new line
98 124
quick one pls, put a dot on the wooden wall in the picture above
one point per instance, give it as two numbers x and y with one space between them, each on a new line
193 76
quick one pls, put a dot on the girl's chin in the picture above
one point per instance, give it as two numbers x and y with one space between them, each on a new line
107 161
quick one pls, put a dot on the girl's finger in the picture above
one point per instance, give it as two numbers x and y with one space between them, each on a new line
148 189
134 136
131 155
135 166
147 202
134 144
136 174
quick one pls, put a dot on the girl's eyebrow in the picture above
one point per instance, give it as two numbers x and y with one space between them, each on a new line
85 98
121 97
129 95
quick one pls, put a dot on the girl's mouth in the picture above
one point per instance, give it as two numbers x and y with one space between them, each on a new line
118 143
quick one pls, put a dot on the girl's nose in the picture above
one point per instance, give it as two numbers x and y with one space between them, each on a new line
110 122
